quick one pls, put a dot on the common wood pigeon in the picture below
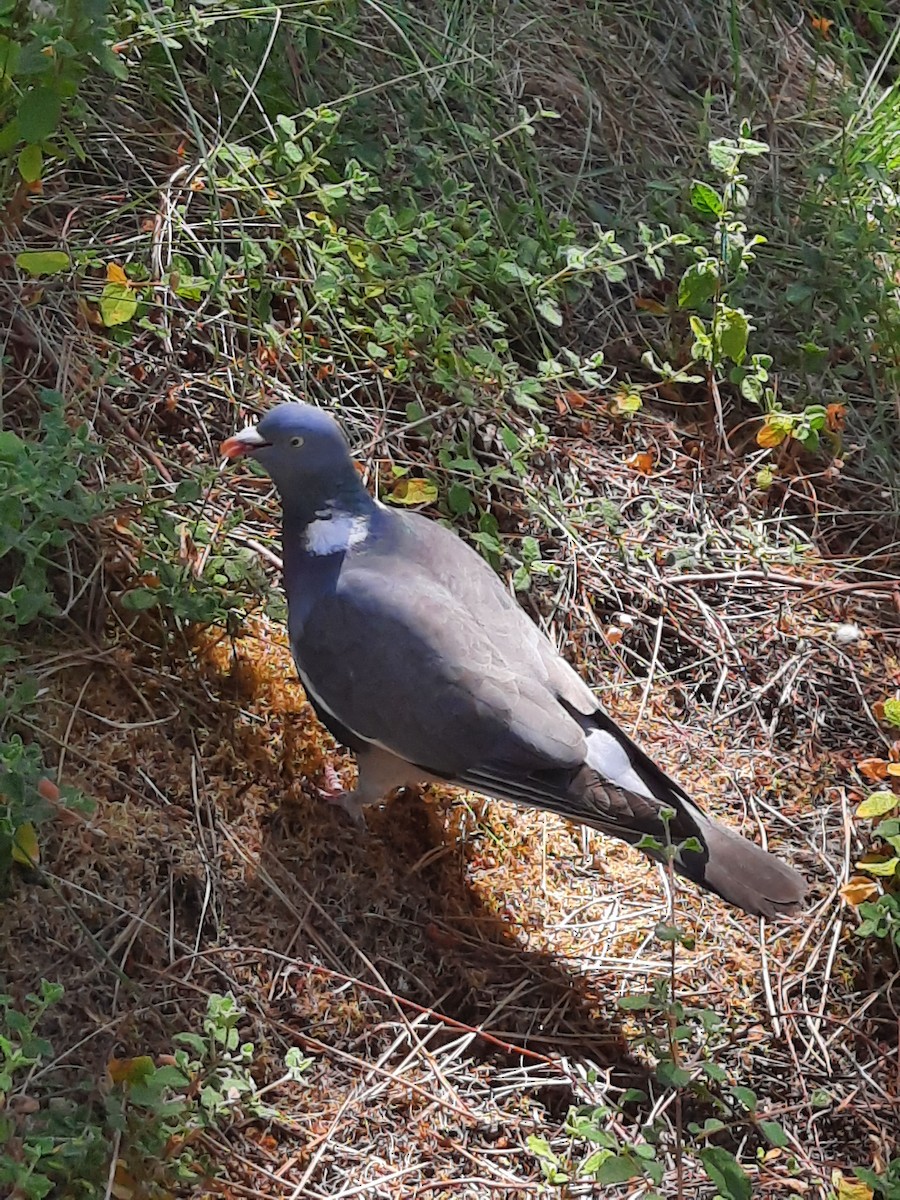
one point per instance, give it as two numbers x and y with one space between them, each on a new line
415 656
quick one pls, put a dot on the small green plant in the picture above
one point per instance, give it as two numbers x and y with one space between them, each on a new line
46 50
709 283
681 1042
707 291
188 570
43 503
880 916
151 1112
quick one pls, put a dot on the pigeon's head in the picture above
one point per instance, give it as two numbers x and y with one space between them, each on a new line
299 445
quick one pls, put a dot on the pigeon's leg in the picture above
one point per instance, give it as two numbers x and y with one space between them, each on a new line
380 773
335 794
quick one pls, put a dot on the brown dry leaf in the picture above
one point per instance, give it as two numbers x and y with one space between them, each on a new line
124 1185
878 710
641 461
770 436
835 417
651 306
614 635
576 399
873 768
189 554
857 890
115 274
48 790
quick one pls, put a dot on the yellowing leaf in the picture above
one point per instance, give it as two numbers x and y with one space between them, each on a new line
771 436
115 274
42 262
117 304
857 890
879 866
878 804
25 849
358 253
414 491
130 1070
850 1189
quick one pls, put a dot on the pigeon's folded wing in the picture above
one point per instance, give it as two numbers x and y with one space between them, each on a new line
398 661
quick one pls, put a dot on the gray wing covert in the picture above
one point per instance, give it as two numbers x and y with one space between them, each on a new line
432 676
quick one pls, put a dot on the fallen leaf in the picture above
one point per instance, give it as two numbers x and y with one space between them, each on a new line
835 417
873 768
115 274
641 461
575 399
822 26
857 890
850 1189
48 790
651 306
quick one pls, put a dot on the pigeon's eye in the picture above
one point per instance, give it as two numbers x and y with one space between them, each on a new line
296 441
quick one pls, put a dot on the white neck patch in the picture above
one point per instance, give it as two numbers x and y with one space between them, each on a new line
335 532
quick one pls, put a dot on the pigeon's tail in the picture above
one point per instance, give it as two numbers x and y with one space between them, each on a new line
621 791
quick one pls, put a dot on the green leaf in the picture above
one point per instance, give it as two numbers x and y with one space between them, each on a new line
884 868
706 199
729 1177
733 331
459 499
635 1003
118 304
774 1132
43 262
140 599
550 311
892 711
617 1170
746 1096
699 283
878 804
39 113
670 1075
30 163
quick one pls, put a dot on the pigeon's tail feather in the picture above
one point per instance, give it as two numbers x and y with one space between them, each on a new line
621 791
743 873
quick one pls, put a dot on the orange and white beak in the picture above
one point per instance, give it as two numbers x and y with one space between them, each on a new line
243 443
